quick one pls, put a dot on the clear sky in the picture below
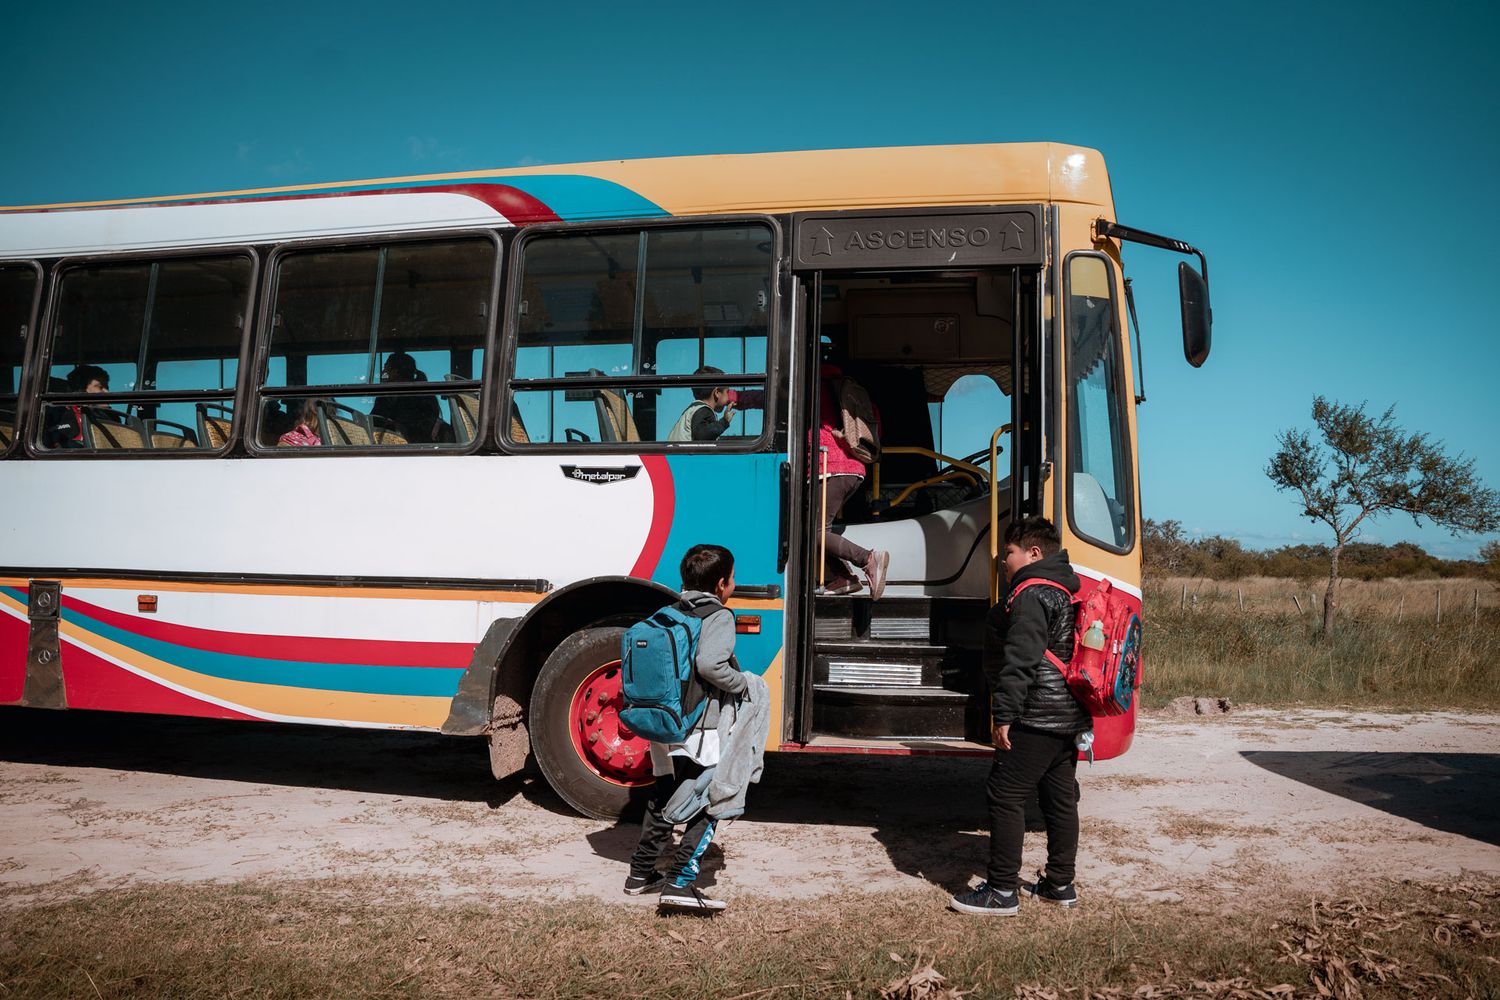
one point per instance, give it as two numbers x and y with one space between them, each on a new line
1337 162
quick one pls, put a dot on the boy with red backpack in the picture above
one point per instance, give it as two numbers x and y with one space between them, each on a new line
1038 724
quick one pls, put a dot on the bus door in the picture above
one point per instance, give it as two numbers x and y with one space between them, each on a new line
928 312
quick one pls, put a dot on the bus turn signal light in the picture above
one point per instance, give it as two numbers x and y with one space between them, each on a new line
146 604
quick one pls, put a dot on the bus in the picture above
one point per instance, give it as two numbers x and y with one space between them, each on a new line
399 453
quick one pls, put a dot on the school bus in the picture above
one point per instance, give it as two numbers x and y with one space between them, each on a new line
399 453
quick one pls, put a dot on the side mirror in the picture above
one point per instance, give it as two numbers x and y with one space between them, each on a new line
1197 317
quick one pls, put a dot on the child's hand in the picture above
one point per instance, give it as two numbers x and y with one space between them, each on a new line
729 410
1000 736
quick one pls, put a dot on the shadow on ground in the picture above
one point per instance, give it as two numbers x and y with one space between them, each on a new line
925 811
1452 792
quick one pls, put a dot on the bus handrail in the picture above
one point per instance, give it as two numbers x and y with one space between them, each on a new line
902 449
995 514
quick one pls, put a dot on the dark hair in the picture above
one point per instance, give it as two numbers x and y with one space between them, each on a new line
704 391
705 565
1038 531
400 364
80 377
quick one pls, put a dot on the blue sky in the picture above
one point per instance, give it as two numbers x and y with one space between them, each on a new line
1337 162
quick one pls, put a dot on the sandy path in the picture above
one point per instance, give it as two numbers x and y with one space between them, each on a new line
1199 805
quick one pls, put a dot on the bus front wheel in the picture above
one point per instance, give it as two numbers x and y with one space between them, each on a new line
589 757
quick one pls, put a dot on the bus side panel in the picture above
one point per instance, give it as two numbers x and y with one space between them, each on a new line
14 632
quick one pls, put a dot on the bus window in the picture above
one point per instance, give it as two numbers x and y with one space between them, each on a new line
1099 500
372 325
161 338
652 305
18 285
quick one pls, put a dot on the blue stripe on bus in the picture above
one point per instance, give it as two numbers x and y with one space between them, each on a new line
575 198
351 677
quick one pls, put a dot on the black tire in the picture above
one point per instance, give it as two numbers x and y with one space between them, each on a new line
579 655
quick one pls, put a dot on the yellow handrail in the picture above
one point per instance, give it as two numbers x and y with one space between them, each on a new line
995 514
902 449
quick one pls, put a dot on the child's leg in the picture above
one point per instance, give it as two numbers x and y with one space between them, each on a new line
656 832
686 863
1058 794
1013 776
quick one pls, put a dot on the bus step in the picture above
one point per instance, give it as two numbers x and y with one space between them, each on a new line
889 712
900 620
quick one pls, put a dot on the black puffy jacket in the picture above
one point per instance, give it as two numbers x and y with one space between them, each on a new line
1027 689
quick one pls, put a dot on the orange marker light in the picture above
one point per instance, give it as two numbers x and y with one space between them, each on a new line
747 624
146 604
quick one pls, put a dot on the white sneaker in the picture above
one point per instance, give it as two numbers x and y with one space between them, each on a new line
875 568
688 897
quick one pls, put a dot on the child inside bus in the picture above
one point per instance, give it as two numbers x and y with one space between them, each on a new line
305 433
707 576
1035 722
712 410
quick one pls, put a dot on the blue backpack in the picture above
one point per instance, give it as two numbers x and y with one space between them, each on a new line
663 697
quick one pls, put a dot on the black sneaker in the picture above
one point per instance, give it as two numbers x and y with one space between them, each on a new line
636 885
986 901
688 897
1062 895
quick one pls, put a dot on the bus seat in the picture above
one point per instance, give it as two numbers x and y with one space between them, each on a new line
109 430
214 421
615 421
7 428
463 412
1092 512
517 427
167 434
343 426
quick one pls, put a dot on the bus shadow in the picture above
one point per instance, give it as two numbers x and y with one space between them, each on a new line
1450 792
415 764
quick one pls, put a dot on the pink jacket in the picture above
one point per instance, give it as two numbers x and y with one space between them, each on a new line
300 436
840 462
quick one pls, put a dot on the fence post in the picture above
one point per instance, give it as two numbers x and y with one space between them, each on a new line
1476 605
1439 606
1298 603
1183 602
1242 598
1400 608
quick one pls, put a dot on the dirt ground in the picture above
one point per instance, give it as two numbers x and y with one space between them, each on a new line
1200 806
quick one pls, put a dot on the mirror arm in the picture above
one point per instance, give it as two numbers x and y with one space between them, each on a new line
1103 229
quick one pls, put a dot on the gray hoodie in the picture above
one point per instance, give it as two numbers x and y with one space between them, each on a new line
716 664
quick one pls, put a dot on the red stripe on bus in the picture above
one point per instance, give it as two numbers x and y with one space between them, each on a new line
307 649
663 504
93 682
14 635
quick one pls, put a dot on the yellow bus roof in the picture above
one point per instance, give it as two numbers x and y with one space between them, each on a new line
822 180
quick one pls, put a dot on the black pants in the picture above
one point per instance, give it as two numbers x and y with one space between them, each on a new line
1046 763
656 832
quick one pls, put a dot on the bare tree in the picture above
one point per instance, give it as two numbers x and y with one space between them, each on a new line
1365 467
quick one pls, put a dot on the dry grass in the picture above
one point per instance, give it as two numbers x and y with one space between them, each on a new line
1271 655
328 940
1414 599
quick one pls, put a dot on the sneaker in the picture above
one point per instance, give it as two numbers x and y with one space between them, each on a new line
841 588
688 897
986 901
636 885
1062 895
875 568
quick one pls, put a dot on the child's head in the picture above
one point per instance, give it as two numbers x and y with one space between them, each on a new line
1029 540
716 396
709 568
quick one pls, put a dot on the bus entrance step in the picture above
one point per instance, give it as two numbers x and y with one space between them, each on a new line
940 621
889 712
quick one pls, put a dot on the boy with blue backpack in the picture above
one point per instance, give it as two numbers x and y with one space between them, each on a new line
683 724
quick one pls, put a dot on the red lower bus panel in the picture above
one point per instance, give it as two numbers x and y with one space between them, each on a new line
92 682
13 635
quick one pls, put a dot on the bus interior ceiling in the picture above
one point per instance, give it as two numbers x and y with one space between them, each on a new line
934 351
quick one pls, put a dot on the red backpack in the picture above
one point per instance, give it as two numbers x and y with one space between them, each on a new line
1106 666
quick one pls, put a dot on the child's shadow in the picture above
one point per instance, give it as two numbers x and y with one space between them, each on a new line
618 843
943 855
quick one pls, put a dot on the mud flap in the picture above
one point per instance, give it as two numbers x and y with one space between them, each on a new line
508 738
44 679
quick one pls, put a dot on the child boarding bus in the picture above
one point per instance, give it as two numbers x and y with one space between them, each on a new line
400 453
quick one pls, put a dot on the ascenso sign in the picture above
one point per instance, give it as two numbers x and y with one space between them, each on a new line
926 240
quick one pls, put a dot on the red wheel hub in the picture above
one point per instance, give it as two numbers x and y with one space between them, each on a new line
602 741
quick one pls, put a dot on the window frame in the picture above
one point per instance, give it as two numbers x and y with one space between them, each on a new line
256 392
770 381
41 356
21 429
1126 455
